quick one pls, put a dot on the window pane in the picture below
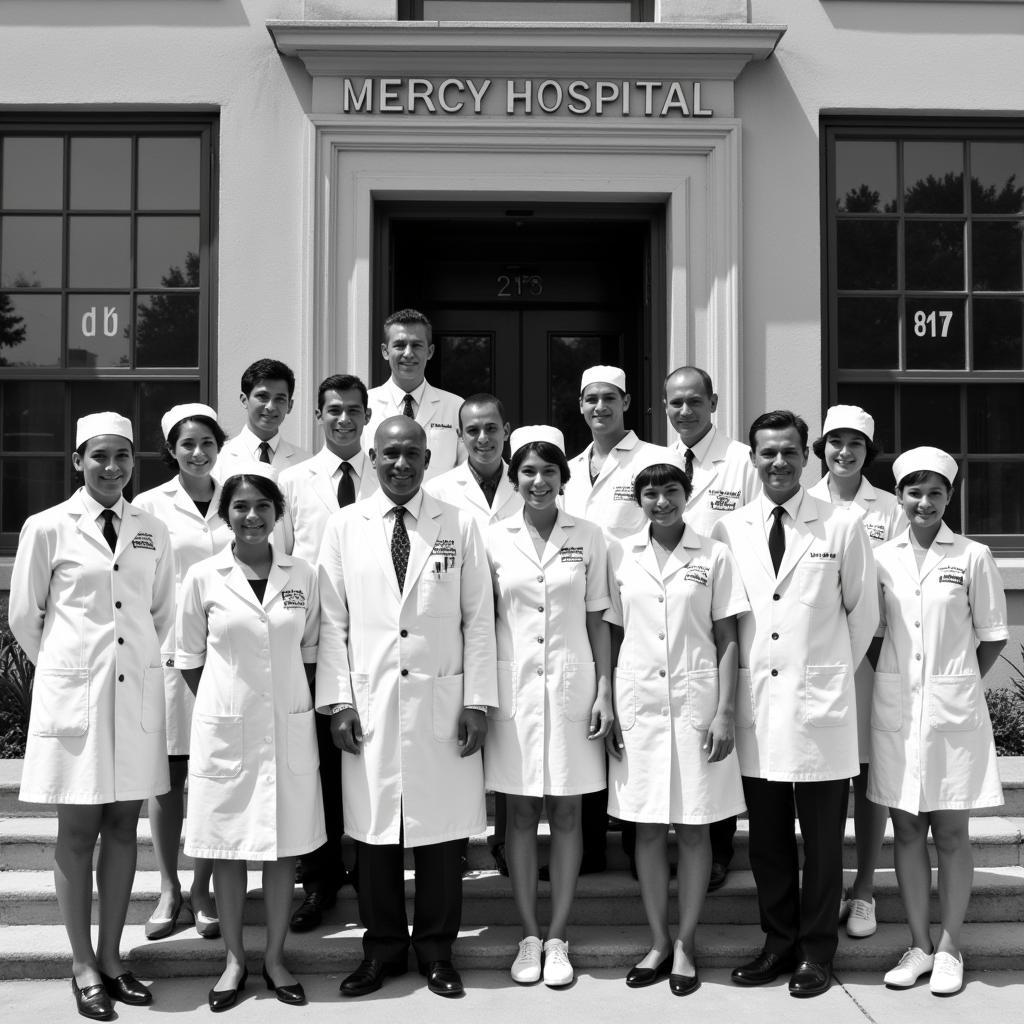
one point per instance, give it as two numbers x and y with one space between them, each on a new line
27 486
935 255
998 332
995 418
33 416
169 174
930 414
150 472
866 252
995 497
155 398
101 174
100 252
568 356
935 334
168 252
33 174
880 401
866 177
997 177
29 330
167 333
99 329
30 255
933 177
537 10
464 362
868 333
102 396
997 256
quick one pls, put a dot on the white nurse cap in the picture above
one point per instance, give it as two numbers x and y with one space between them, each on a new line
184 412
930 460
653 455
849 417
254 469
525 435
603 375
97 423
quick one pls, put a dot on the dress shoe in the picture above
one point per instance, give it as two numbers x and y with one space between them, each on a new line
442 978
127 989
368 977
293 995
93 1001
719 873
641 977
161 927
225 998
311 911
810 979
764 968
683 984
207 925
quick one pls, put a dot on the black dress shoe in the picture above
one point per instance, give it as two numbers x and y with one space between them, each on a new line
442 978
683 984
764 968
810 979
311 911
93 1001
224 998
368 977
127 988
293 995
498 853
641 977
719 872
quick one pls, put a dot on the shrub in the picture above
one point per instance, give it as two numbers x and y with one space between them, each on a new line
16 674
1006 709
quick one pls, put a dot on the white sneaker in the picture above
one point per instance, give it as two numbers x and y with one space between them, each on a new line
912 965
861 920
526 966
947 975
557 969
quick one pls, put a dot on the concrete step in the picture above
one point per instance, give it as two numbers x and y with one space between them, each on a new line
42 951
27 899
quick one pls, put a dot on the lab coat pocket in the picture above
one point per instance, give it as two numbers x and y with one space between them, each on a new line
360 683
507 693
60 702
153 704
448 705
887 702
437 597
954 703
217 745
702 697
744 700
302 751
828 696
817 583
579 690
625 699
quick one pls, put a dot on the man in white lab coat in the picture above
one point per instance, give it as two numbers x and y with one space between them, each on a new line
407 669
810 579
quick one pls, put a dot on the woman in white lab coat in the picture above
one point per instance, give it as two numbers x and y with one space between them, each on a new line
545 740
933 758
675 599
248 626
92 593
847 447
187 506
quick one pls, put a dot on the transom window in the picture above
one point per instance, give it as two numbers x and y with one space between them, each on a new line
924 241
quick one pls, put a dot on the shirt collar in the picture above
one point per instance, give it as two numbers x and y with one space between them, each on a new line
494 478
412 506
357 462
93 508
252 442
792 506
701 448
398 395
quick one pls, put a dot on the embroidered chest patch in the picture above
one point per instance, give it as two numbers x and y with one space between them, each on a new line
623 492
952 574
876 531
144 541
698 573
571 554
723 501
293 598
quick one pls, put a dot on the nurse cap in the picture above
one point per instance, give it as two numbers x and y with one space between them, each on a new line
524 435
603 375
654 455
184 412
97 423
254 469
931 460
849 417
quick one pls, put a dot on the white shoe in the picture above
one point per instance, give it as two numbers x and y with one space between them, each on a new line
912 965
861 921
947 975
557 969
526 966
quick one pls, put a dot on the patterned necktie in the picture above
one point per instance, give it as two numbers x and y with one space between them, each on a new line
777 538
400 547
265 452
688 464
407 407
109 534
346 486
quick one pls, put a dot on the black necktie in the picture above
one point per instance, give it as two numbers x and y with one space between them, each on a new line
400 547
346 486
407 407
688 464
777 538
265 452
109 533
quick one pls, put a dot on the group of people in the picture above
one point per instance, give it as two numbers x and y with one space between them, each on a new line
365 640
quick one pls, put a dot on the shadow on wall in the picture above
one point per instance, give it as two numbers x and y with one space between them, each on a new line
125 13
916 17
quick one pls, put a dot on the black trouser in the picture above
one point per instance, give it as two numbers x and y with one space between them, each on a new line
721 840
324 865
500 821
594 821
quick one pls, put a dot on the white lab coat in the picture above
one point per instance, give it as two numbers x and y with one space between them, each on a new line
311 498
92 621
458 487
193 538
241 451
883 518
609 501
724 479
438 415
409 661
253 789
796 715
547 684
666 680
930 731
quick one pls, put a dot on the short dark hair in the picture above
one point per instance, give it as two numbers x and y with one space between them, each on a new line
267 369
919 476
263 484
483 398
657 476
167 451
408 316
547 451
874 449
705 377
341 382
778 419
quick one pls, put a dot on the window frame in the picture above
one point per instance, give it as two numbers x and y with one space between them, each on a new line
642 10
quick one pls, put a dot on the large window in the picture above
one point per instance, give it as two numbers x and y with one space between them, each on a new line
924 300
106 292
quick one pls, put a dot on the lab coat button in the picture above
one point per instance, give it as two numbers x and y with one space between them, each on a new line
661 600
115 567
117 604
120 679
540 607
661 636
120 639
775 671
776 597
405 671
775 636
540 671
661 672
540 579
540 639
404 633
917 593
266 739
917 624
917 657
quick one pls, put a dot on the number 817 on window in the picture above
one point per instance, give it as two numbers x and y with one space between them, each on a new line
934 324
